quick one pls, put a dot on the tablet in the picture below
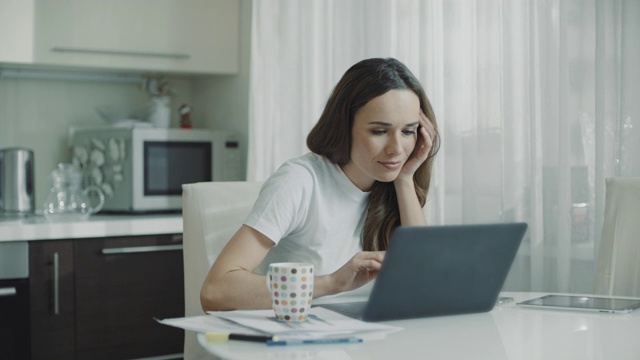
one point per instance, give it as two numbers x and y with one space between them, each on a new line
583 303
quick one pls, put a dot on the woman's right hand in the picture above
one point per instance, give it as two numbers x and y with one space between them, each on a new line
362 268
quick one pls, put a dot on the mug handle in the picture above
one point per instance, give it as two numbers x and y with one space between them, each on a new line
266 280
95 209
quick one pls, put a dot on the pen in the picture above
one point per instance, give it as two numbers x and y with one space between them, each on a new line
345 340
222 336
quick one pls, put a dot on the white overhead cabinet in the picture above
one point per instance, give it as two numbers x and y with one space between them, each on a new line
176 36
16 31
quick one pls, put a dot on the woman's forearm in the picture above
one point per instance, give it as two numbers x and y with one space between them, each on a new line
238 289
242 289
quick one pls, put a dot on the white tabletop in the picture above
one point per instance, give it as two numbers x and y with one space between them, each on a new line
507 332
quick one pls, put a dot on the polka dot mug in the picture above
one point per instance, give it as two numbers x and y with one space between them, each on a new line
291 288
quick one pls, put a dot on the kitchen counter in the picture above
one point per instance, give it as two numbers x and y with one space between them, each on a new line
39 228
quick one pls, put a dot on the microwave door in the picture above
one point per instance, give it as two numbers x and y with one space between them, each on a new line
166 166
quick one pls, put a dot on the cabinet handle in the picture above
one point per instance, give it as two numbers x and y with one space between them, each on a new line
119 52
56 284
8 291
140 249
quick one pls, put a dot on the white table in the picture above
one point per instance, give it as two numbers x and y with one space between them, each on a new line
507 332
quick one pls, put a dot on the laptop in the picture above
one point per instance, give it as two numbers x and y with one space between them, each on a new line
439 270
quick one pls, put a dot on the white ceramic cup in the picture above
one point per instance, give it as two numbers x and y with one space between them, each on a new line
291 288
160 111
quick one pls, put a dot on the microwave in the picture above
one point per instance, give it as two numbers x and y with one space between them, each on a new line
143 169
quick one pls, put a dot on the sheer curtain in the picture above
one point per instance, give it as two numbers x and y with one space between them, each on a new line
535 101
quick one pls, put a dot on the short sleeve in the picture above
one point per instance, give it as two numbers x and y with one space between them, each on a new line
283 203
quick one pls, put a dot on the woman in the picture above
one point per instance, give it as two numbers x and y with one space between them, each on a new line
368 172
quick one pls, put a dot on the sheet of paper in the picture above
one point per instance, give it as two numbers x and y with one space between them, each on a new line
321 322
204 323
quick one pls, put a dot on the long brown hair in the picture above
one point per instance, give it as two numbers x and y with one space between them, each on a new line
331 138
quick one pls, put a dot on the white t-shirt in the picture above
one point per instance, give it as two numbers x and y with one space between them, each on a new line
312 212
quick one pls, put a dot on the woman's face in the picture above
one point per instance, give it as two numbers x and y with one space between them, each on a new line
383 136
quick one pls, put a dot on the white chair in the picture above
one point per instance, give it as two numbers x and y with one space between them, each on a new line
212 213
618 262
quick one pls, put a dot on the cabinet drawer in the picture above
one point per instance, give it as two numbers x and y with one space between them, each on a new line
121 285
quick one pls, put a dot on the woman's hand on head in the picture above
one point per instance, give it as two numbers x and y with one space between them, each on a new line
359 270
422 149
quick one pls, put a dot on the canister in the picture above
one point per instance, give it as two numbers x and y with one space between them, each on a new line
16 181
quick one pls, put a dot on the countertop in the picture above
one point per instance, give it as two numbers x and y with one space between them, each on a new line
39 228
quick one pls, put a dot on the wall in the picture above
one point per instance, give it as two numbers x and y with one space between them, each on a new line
225 99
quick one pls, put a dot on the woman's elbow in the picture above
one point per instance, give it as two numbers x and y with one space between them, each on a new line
210 299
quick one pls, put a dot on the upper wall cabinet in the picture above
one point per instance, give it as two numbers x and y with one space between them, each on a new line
16 31
178 36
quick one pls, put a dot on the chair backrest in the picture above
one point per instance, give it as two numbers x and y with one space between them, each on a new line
618 262
212 213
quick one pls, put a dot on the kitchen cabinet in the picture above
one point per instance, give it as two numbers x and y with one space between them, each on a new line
172 36
109 291
198 36
16 31
51 290
15 337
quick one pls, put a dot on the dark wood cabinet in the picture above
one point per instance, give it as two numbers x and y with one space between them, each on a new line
121 285
51 288
118 285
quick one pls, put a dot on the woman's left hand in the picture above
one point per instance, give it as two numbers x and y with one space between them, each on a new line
422 149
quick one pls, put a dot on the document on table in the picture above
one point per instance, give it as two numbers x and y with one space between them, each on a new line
204 323
321 323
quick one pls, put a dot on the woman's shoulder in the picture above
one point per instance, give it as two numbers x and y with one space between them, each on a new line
291 186
309 166
299 177
294 174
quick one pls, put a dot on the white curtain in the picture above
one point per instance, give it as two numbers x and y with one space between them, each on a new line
536 101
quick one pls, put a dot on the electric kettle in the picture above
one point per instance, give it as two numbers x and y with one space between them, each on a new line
66 199
16 182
